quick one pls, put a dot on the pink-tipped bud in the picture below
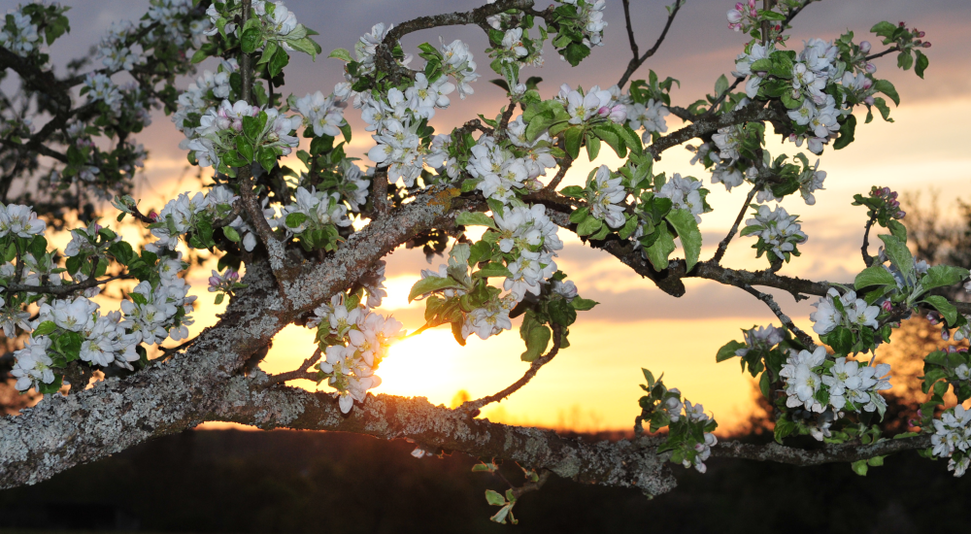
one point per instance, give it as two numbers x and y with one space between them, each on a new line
926 45
153 216
865 46
214 281
887 306
931 318
871 68
900 214
901 24
921 34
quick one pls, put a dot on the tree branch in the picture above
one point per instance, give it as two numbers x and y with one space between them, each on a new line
723 245
635 62
771 303
300 373
847 452
476 405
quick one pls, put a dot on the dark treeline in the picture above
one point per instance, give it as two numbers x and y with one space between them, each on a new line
235 481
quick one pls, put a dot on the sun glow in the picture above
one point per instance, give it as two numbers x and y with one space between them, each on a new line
423 365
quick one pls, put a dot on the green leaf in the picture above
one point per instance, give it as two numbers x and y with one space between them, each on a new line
493 269
575 52
341 54
433 283
475 219
944 307
860 467
662 248
251 40
562 313
847 130
495 498
881 105
922 63
574 137
883 28
573 191
267 158
631 139
721 85
245 148
897 230
537 338
44 329
232 235
899 254
589 225
887 88
294 220
279 60
684 222
943 275
727 351
593 146
582 304
874 275
905 60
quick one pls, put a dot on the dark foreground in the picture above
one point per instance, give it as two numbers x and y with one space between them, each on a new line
233 481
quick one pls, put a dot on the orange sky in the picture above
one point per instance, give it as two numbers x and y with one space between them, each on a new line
593 385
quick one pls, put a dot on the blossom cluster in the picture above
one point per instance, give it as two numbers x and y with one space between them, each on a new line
591 20
779 233
19 34
847 311
818 383
952 439
355 341
595 104
66 329
685 193
397 121
690 437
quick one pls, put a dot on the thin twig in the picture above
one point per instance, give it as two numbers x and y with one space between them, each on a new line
770 302
723 246
531 486
302 372
890 50
565 165
245 62
865 249
636 62
63 289
630 29
472 406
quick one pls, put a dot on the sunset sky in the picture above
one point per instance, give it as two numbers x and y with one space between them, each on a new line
594 384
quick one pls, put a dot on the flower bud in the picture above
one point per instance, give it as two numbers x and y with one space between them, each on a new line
865 46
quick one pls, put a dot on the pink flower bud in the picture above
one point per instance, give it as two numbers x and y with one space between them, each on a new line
153 216
865 46
871 68
887 306
926 45
920 34
618 113
214 281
